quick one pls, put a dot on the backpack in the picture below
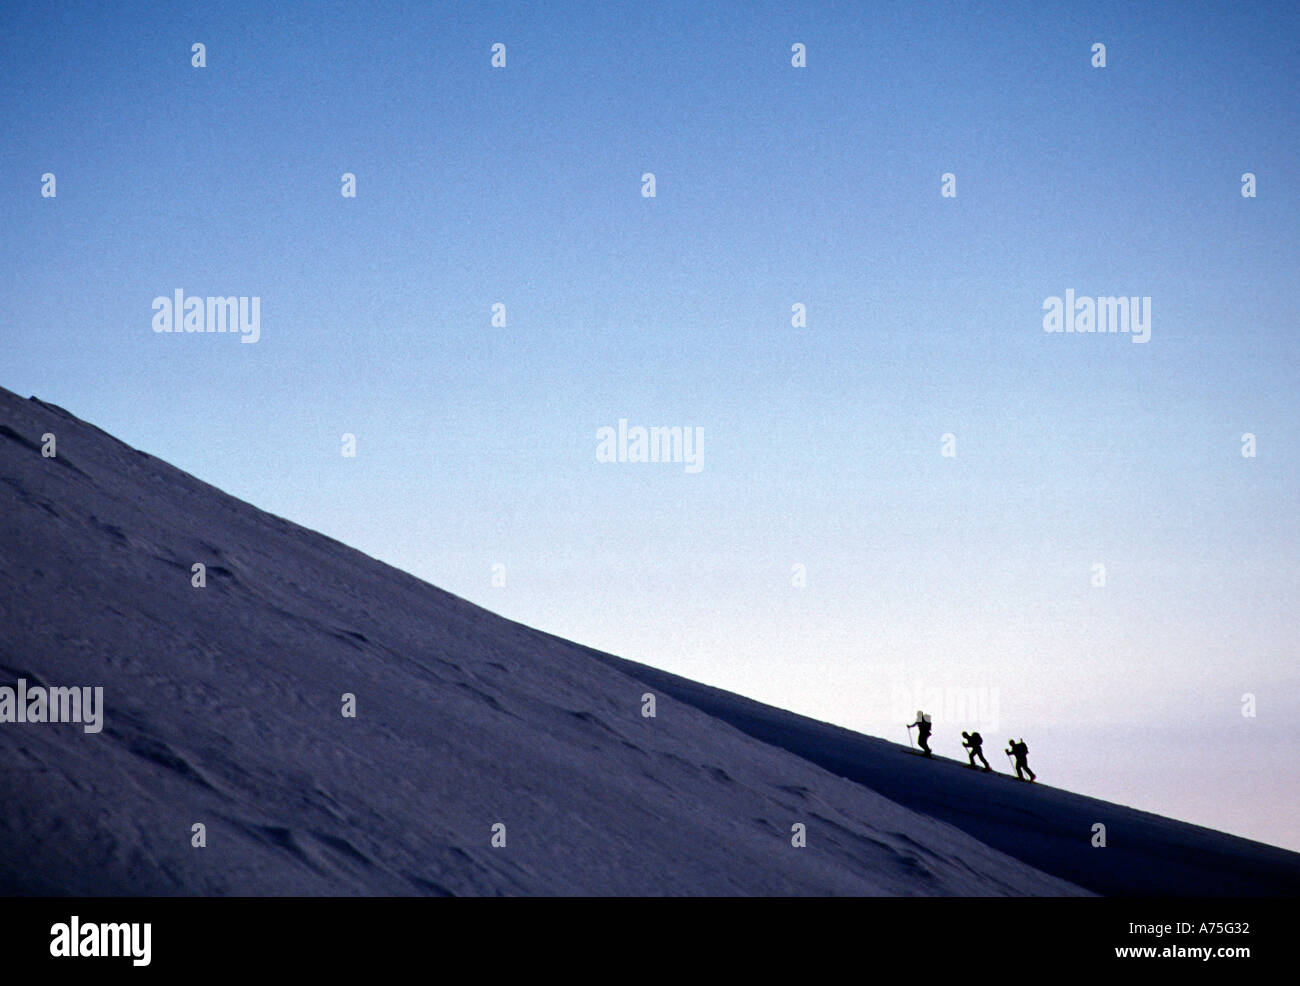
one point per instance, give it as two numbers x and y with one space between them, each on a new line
975 739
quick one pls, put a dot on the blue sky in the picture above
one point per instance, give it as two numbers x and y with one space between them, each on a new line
775 186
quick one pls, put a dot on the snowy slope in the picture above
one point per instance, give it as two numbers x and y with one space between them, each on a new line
223 707
1145 854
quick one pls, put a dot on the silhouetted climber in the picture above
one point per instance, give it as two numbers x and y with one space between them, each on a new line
1021 752
974 743
922 726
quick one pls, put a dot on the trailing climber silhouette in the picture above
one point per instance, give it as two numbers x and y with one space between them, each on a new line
922 725
974 742
1021 752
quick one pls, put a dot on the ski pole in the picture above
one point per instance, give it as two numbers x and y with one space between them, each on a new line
909 738
1010 764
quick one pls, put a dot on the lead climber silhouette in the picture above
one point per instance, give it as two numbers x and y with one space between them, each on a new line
974 743
922 726
1021 752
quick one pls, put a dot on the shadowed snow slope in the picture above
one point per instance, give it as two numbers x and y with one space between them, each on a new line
222 707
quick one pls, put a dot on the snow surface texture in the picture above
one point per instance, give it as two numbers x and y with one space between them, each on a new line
223 707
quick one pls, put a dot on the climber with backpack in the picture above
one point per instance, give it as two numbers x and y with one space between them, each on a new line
922 726
1020 751
974 742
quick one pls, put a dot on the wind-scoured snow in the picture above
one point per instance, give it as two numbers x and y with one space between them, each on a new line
222 707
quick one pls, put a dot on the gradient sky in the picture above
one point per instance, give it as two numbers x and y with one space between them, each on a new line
775 185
